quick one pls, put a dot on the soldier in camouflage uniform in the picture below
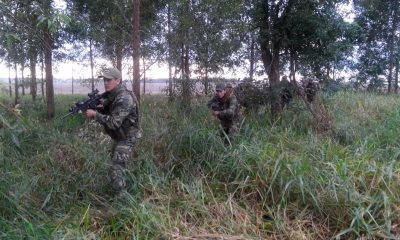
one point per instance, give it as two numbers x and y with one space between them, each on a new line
311 88
286 91
119 115
225 107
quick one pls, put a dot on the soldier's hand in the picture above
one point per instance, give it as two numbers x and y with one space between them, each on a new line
90 113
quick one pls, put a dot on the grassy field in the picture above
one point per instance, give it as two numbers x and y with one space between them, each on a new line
278 179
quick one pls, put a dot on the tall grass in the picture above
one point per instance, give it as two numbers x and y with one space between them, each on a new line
276 179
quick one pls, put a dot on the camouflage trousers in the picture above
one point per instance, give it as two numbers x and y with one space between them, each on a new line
120 153
230 127
228 131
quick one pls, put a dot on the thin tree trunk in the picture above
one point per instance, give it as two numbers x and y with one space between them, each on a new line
32 53
206 81
91 63
22 81
136 48
396 80
118 53
144 77
9 80
42 71
391 44
252 57
72 81
33 78
186 89
16 93
292 67
169 55
48 43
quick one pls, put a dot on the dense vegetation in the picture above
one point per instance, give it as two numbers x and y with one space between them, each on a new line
201 40
287 175
277 180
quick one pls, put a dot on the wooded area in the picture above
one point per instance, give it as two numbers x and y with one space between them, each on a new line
296 38
307 166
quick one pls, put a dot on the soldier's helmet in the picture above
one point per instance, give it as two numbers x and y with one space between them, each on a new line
110 73
219 87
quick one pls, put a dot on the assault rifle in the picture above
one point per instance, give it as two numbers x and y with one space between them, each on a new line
85 104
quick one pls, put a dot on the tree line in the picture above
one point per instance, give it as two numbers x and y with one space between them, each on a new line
203 37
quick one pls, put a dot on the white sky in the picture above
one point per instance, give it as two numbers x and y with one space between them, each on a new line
79 70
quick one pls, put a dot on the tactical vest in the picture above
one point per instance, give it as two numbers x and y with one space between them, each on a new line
130 127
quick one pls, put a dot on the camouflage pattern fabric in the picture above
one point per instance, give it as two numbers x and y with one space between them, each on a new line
120 119
228 113
120 152
287 91
311 88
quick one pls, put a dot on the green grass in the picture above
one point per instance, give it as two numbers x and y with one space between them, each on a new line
278 179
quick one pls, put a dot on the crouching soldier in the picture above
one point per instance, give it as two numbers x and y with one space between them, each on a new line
225 107
119 115
311 88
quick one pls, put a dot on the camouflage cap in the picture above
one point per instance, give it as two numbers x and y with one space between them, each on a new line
219 87
111 73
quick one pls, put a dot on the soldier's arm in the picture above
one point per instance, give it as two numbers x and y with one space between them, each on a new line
230 111
211 102
122 107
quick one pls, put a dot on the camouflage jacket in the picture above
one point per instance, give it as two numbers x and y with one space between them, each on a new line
228 110
120 114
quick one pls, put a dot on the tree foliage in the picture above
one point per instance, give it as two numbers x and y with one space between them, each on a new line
379 52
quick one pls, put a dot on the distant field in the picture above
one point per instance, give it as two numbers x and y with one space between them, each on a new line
66 87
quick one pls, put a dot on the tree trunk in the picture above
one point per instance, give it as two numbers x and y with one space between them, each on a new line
48 43
186 78
271 65
270 48
118 56
16 99
41 72
252 56
396 79
72 82
91 63
136 48
32 54
144 77
9 80
292 67
22 80
186 69
33 87
169 55
391 44
206 82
